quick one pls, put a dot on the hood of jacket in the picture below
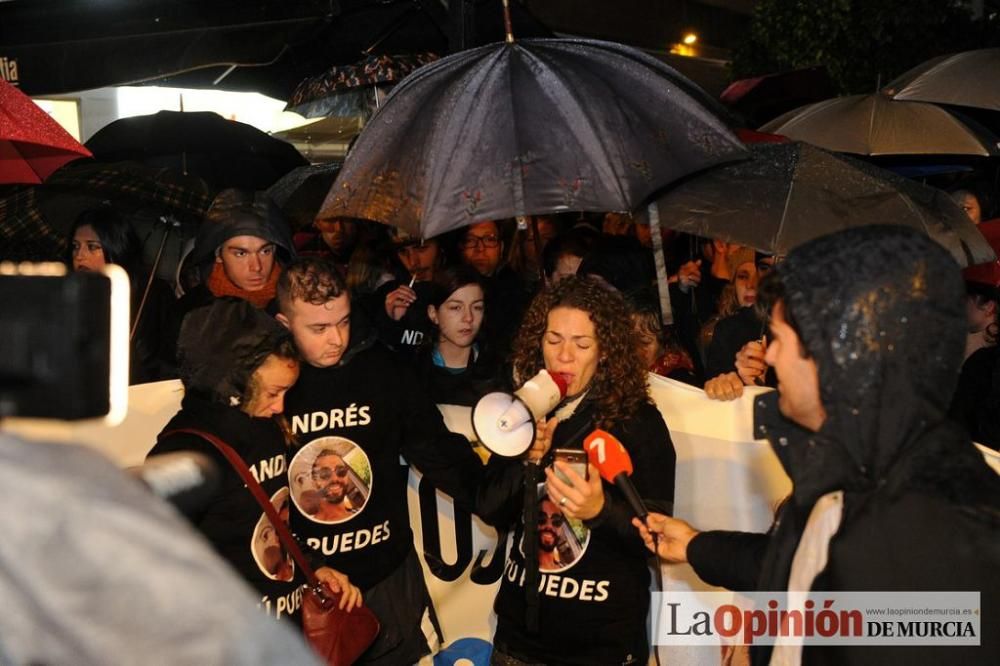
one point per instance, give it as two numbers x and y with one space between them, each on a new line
242 213
880 309
221 344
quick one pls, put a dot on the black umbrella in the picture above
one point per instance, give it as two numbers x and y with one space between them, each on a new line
225 153
528 127
164 207
301 191
787 194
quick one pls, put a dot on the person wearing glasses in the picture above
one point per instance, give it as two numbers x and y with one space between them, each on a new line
481 246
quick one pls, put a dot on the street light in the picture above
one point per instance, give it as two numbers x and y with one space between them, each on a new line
690 38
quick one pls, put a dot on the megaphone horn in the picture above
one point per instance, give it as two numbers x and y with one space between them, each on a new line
505 422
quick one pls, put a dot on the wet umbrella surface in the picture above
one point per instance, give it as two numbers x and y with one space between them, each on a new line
787 194
530 127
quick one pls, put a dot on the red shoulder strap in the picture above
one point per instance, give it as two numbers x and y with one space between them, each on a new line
265 503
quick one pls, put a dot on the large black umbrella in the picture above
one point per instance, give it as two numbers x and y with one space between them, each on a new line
528 127
787 194
970 78
225 153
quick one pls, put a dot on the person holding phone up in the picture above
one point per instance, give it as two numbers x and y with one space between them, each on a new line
575 588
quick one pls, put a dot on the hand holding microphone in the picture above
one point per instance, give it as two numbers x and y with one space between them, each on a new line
665 536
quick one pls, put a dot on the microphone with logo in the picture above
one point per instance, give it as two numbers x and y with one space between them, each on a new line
185 479
611 459
505 422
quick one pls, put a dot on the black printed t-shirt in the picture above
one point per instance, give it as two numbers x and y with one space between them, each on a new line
594 600
352 422
233 521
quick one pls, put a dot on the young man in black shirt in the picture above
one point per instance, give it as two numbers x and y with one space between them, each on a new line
356 401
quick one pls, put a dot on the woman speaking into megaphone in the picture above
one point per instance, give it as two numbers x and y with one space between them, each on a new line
587 602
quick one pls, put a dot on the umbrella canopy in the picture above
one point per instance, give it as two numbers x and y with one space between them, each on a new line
225 153
787 194
32 144
160 204
300 193
352 90
970 78
876 125
529 127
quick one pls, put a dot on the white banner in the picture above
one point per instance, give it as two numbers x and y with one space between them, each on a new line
725 480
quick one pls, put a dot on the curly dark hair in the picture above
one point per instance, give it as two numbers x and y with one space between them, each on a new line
619 385
313 280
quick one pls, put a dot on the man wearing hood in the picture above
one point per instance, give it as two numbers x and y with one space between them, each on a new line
867 333
354 397
241 247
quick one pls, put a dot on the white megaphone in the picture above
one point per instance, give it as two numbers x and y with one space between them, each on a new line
505 423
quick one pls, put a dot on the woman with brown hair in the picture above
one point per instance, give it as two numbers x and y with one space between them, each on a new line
593 609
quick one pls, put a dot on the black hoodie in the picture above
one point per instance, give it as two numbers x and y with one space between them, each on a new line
880 309
220 347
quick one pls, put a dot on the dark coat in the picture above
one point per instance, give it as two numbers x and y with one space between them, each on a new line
880 309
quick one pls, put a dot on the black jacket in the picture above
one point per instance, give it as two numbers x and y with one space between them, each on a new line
593 610
232 520
976 404
731 333
880 309
370 410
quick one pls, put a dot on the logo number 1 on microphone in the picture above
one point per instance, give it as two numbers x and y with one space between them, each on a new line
598 443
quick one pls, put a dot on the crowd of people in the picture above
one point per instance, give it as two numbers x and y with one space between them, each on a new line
320 356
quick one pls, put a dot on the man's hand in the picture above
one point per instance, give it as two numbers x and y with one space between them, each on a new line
750 365
398 301
350 597
724 387
674 536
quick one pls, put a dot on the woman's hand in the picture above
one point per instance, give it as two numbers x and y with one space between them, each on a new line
398 301
350 595
750 365
544 430
728 386
582 498
674 536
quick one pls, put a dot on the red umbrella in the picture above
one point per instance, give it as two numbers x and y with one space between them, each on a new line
32 145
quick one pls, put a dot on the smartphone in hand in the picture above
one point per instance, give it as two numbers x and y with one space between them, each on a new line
575 458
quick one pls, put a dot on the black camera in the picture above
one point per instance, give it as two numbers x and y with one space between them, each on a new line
63 347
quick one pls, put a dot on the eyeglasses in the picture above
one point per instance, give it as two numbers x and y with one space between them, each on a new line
556 519
472 242
324 473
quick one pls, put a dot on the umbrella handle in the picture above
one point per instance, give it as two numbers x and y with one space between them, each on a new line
506 22
149 281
